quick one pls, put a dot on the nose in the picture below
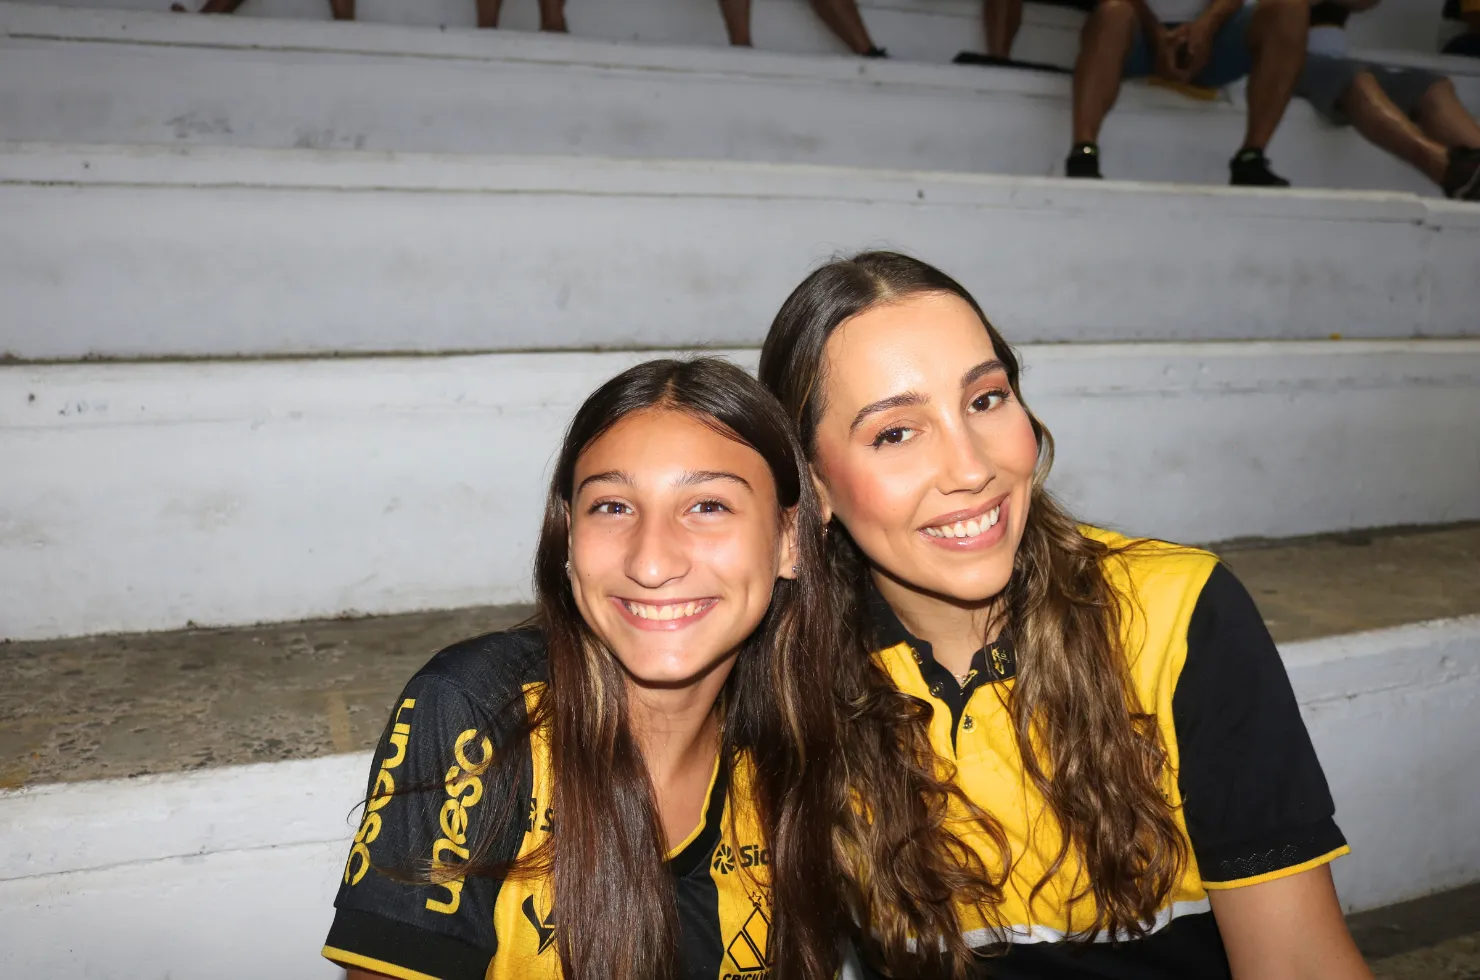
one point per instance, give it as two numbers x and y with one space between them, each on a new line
657 554
964 463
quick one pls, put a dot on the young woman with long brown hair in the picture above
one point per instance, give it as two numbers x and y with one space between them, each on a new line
1116 704
673 773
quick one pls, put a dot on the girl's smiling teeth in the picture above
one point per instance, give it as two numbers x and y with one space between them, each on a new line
667 611
966 529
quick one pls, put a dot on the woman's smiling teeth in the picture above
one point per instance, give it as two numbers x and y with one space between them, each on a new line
672 610
967 529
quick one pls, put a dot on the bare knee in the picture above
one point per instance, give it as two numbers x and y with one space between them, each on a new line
1439 94
1281 19
1111 17
1363 91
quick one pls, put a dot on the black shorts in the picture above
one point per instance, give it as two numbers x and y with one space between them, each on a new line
1325 80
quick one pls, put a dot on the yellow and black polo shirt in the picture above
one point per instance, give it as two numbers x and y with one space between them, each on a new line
440 743
1242 774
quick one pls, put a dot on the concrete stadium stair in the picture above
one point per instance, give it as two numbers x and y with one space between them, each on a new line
914 30
129 77
159 252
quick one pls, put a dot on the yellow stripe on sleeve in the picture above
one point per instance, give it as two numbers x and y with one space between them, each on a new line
345 958
1469 6
1293 869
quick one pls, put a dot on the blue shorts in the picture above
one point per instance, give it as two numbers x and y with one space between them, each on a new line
1230 59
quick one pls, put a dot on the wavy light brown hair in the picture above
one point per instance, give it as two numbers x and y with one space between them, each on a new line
844 783
1087 744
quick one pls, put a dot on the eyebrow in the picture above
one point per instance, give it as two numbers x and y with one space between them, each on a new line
695 477
985 367
884 404
909 398
689 479
610 476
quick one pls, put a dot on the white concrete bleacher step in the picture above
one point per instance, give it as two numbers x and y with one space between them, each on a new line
201 252
914 30
145 496
107 76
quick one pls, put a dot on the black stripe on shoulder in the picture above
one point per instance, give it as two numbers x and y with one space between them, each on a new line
377 942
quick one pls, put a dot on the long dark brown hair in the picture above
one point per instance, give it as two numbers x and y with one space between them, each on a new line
1087 744
852 822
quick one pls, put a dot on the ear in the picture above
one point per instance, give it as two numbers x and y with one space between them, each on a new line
569 542
790 554
824 499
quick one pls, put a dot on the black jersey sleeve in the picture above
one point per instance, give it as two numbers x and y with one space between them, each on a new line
1255 799
435 790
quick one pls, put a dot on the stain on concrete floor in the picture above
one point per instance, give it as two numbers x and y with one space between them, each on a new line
1360 580
130 704
1457 959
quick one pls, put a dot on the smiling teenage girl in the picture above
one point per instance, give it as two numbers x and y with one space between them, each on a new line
651 784
1116 704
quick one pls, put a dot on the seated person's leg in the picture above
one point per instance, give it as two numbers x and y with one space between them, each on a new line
342 9
1444 119
1111 46
737 21
1362 102
488 11
844 20
1267 41
1001 19
552 16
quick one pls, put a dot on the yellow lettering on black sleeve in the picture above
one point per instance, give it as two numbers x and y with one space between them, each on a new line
464 790
380 797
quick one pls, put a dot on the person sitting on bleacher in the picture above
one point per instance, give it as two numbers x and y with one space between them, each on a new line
1208 43
840 16
552 12
1412 113
1462 28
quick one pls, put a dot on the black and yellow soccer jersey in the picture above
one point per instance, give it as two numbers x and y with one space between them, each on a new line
439 745
1242 775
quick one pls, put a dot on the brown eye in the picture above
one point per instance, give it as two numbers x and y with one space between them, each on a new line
988 400
893 437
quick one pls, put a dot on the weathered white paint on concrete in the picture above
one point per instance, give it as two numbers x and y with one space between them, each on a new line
149 252
143 496
187 875
1392 713
111 77
920 30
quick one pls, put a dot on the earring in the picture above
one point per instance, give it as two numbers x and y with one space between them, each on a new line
567 566
794 569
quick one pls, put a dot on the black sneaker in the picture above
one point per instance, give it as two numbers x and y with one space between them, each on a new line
876 52
1462 176
1250 168
1083 162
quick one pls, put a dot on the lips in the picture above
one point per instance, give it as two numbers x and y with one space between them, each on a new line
969 528
669 614
980 526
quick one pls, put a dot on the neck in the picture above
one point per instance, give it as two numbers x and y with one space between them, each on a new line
954 629
676 728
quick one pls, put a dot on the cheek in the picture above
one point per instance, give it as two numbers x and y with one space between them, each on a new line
740 559
1015 450
868 499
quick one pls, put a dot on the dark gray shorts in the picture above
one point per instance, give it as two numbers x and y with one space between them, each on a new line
1325 80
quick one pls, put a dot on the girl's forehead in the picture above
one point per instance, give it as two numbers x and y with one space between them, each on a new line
661 446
